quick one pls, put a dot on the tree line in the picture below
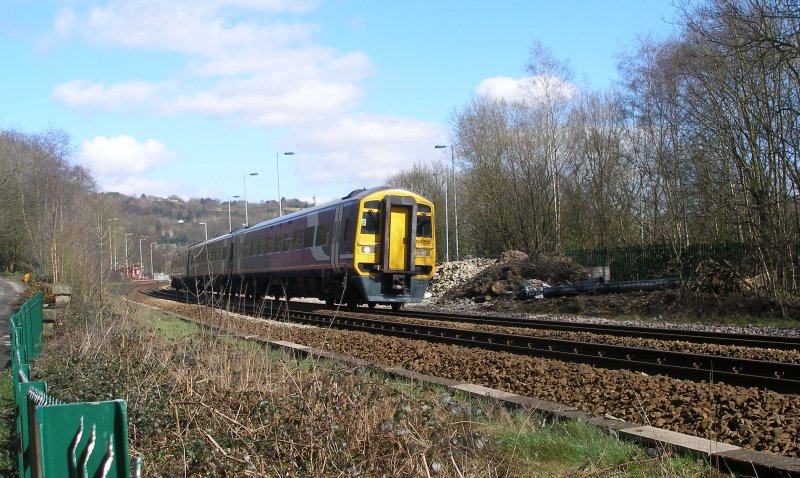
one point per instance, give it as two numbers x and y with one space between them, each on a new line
56 224
52 221
698 142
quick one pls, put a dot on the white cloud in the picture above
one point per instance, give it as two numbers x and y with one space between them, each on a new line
361 151
120 96
248 101
531 89
122 156
64 24
239 61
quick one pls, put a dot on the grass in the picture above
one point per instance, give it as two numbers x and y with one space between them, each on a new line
8 452
204 405
565 447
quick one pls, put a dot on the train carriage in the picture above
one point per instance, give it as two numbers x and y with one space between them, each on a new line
371 247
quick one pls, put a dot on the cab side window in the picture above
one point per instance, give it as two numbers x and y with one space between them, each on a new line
370 222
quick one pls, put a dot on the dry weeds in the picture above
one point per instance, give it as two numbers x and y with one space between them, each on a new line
202 404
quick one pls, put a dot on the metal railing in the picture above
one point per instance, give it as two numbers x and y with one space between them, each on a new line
55 439
655 261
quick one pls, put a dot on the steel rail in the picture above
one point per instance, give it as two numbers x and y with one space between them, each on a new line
700 337
706 337
775 376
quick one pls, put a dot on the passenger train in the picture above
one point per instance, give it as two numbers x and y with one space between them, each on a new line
371 247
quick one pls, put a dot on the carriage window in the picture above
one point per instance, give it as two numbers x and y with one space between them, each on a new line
370 222
298 239
278 243
308 238
270 245
322 235
248 249
424 228
288 239
262 245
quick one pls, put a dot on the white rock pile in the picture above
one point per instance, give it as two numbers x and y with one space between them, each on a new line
456 273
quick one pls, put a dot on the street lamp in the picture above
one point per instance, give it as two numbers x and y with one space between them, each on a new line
244 180
455 189
446 224
116 261
230 228
141 260
127 266
205 228
152 270
278 170
111 244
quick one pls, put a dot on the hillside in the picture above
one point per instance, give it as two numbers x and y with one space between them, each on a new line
172 223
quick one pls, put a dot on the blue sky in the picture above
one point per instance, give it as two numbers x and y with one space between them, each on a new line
188 97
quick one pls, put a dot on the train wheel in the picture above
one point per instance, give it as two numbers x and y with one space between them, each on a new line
397 305
371 305
330 302
352 303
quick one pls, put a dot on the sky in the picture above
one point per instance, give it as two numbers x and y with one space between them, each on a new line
190 97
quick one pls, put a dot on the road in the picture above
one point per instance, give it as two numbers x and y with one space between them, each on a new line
9 292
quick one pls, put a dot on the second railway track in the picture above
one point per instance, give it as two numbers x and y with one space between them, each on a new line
777 376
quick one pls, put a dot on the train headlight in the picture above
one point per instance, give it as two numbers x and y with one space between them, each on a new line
368 249
423 252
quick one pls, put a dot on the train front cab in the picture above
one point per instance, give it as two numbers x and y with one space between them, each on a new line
395 254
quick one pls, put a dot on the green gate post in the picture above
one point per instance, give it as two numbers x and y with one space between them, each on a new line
81 438
24 415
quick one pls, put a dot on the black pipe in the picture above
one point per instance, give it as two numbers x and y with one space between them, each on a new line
595 286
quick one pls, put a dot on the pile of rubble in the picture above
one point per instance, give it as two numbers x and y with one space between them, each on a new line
455 273
483 280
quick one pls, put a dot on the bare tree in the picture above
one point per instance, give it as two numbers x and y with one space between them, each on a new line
551 95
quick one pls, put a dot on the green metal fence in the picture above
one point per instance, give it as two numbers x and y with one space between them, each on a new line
661 260
73 440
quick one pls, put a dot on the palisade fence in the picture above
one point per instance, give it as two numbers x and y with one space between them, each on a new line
58 439
663 260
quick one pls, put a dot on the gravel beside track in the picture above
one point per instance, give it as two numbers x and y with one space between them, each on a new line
751 418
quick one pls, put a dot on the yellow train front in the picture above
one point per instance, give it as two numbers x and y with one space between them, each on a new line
394 247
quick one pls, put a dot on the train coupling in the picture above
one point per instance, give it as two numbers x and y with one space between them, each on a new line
400 284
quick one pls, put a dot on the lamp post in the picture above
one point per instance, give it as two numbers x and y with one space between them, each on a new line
278 170
205 228
116 261
127 267
244 181
455 189
141 259
230 227
446 226
111 244
152 270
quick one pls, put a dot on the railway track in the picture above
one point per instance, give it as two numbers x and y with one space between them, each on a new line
775 376
718 338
